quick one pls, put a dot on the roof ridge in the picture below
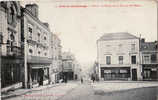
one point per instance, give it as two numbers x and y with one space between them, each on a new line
117 36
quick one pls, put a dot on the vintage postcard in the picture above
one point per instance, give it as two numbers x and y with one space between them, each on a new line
79 49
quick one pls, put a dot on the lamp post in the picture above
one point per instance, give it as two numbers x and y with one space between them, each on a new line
25 64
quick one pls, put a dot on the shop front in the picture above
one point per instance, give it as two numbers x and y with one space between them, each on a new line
39 75
38 72
150 72
11 73
115 73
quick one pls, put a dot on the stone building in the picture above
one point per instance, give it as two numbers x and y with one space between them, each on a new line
68 65
77 71
56 66
149 60
10 46
36 36
118 57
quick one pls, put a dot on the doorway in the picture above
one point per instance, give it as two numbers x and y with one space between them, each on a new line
134 74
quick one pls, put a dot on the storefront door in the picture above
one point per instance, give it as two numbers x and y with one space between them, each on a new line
134 74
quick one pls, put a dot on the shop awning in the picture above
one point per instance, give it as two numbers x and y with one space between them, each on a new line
39 66
39 60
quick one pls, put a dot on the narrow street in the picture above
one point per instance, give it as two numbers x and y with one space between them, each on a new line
96 91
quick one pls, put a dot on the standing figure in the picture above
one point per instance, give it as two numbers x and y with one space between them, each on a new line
93 78
81 80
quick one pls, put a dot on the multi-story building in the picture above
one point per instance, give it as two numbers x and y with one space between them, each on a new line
37 40
68 65
56 66
10 46
77 71
149 60
95 71
118 57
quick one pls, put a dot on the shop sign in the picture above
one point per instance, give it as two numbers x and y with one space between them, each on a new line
123 71
107 71
153 69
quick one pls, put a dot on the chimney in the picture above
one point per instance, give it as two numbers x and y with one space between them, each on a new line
46 24
142 40
33 8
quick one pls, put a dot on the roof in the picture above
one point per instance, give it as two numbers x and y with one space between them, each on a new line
148 46
117 36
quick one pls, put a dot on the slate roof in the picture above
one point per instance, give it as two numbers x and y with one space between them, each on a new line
148 46
117 36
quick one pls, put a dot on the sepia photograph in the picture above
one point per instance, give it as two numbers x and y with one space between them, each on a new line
79 49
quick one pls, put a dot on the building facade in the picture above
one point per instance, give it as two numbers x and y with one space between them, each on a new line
77 71
37 39
10 46
149 60
118 57
68 65
56 66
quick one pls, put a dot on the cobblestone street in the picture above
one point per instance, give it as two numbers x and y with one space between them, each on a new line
117 90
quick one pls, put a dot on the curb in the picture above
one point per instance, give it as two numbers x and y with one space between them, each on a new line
15 95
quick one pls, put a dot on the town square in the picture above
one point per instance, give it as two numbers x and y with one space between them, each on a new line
79 50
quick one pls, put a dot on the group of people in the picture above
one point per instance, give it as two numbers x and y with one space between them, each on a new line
92 78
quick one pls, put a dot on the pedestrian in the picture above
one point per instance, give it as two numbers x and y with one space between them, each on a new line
81 80
93 79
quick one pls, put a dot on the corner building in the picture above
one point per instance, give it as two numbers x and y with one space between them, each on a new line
118 57
36 36
11 45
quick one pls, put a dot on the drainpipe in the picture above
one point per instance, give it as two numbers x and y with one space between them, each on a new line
25 64
140 60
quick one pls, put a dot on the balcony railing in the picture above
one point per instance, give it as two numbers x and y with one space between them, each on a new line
150 62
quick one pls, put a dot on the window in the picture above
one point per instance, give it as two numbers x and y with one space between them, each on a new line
153 58
45 38
30 31
120 59
30 51
133 47
45 54
108 60
38 37
120 46
39 52
133 59
146 59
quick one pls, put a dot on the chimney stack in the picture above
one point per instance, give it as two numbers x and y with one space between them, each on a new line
46 24
33 8
142 40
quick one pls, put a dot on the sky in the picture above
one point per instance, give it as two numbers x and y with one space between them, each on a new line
80 27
